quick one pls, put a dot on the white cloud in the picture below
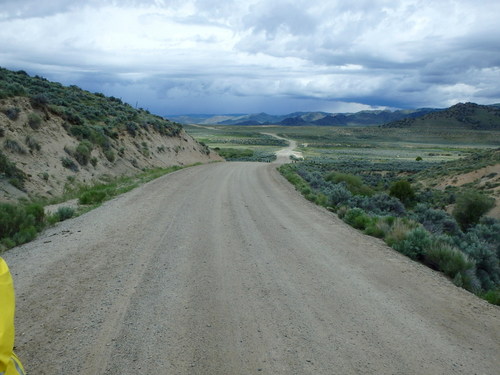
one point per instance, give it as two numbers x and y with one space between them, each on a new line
392 53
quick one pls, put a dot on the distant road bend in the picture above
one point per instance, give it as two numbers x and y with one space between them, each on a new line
225 269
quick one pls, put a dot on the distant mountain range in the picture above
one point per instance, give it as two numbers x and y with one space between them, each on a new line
375 117
462 115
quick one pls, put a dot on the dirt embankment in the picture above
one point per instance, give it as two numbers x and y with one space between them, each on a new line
487 177
225 269
38 151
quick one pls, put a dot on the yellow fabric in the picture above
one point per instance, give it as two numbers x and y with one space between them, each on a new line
9 363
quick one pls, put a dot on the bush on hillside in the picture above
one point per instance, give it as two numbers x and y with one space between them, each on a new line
20 223
357 218
82 152
40 100
378 204
12 113
485 257
13 146
403 191
65 213
399 230
70 164
110 155
353 183
338 194
435 221
32 143
34 121
447 259
379 226
470 207
416 242
16 176
492 296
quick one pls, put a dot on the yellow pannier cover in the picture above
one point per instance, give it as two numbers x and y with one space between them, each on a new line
9 364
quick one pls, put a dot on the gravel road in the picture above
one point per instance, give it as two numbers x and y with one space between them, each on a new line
225 269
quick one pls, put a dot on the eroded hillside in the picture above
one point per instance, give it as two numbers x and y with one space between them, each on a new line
51 136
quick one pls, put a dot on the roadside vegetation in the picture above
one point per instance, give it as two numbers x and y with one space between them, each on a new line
89 116
446 230
238 143
21 222
245 154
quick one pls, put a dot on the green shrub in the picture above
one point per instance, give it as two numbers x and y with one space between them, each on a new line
357 218
37 212
13 89
24 235
73 117
80 132
492 296
19 223
289 173
379 226
34 121
13 146
447 259
32 144
12 113
353 183
16 176
415 244
235 153
40 100
321 200
403 191
6 243
82 152
110 155
70 164
92 197
64 213
132 128
378 204
470 207
338 194
399 230
435 221
467 280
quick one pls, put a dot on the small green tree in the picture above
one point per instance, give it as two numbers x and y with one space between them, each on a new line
403 191
470 206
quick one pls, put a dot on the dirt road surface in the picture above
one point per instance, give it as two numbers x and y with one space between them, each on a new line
225 269
283 156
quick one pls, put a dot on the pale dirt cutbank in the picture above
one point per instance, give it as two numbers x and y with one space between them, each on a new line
225 269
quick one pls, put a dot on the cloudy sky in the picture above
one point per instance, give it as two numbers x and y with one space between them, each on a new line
274 56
